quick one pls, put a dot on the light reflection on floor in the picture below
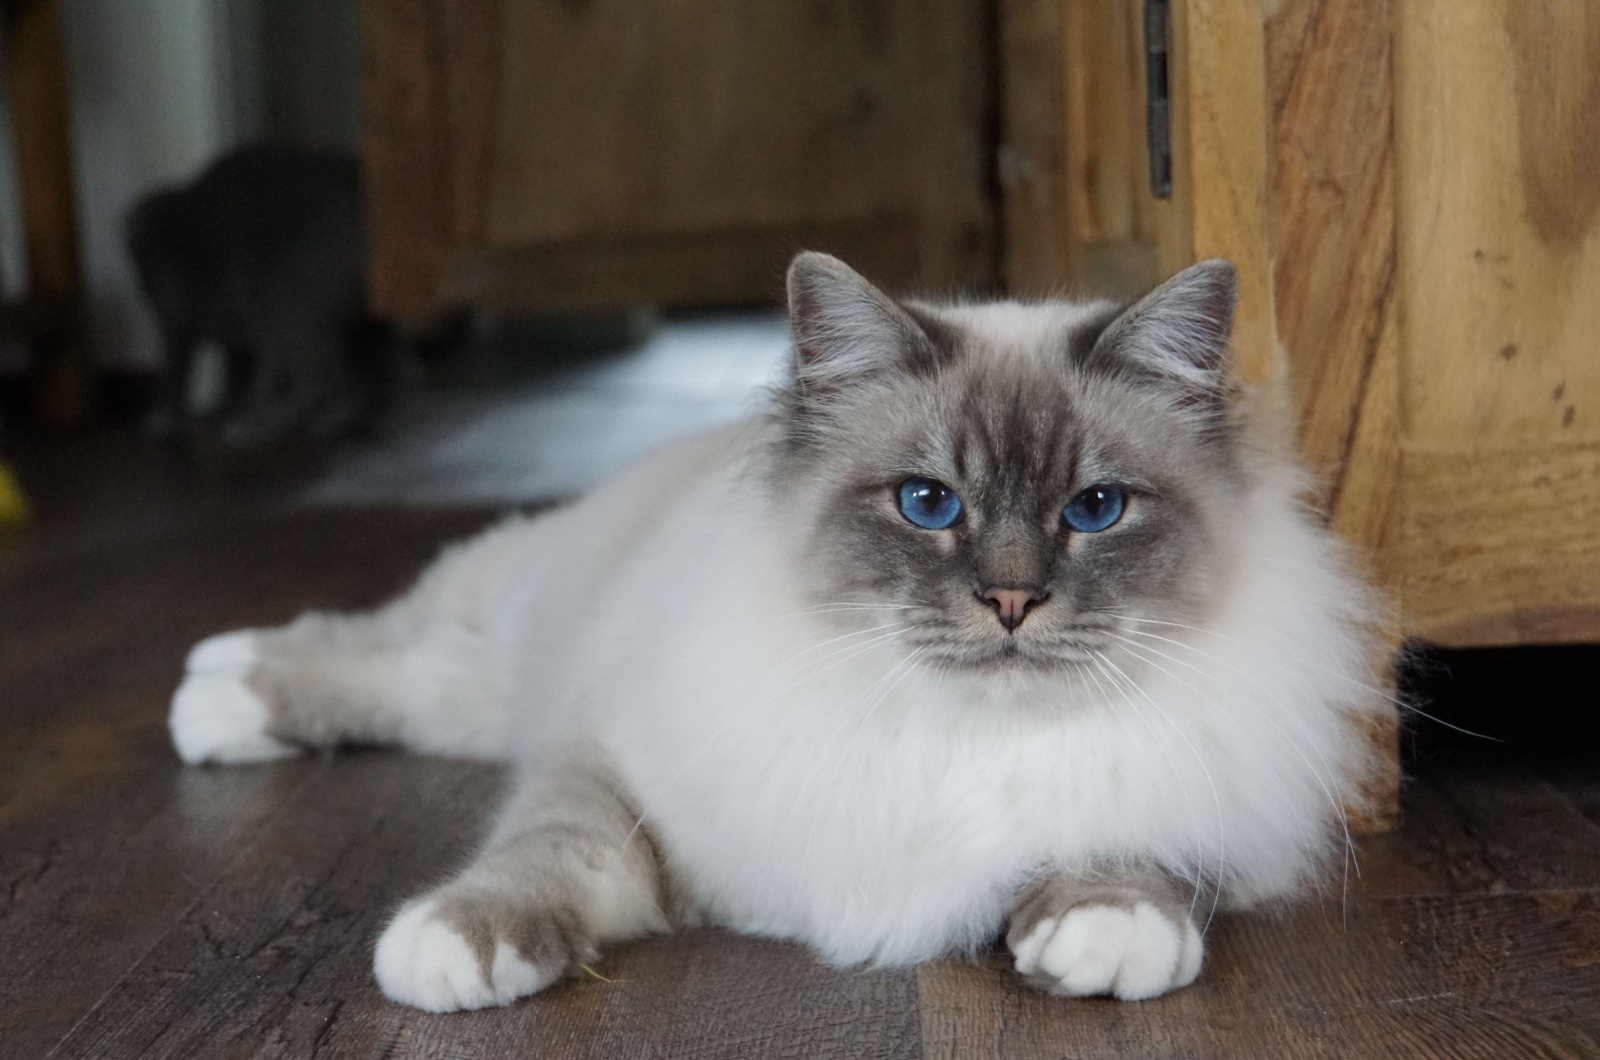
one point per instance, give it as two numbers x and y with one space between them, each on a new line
559 435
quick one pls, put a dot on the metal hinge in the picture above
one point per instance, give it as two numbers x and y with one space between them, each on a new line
1158 105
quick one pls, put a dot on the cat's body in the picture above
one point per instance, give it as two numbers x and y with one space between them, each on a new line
738 693
262 258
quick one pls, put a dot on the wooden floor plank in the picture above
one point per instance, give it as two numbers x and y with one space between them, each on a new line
264 960
1577 781
1477 828
1447 976
91 888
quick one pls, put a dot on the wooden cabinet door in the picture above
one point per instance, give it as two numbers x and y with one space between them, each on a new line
569 154
1497 156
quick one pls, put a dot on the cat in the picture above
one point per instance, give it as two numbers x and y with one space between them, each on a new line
261 259
1003 617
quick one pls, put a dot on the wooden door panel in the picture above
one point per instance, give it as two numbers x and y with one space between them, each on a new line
1498 104
1498 227
558 154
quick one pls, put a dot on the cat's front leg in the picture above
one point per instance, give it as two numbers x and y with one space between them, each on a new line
1128 933
565 873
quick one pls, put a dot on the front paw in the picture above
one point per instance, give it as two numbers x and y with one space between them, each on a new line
472 952
1131 952
216 716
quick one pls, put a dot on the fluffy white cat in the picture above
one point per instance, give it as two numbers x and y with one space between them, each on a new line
1003 615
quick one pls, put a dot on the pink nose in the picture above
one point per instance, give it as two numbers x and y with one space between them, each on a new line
1011 605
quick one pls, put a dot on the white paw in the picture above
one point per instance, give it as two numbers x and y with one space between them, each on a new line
424 962
1132 954
234 652
215 716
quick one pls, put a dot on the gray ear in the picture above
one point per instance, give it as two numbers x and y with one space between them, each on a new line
845 330
1179 332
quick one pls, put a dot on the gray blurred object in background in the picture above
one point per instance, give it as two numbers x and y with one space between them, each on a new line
255 272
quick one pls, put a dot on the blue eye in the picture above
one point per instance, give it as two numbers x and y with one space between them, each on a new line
930 504
1095 509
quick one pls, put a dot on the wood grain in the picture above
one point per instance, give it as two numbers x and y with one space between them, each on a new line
403 145
1221 171
1498 262
1032 156
512 143
727 267
105 841
97 880
1115 223
1501 546
1484 829
1291 988
1329 84
360 836
1499 252
699 119
469 55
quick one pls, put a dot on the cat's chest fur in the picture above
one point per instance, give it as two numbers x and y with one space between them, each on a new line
815 779
895 823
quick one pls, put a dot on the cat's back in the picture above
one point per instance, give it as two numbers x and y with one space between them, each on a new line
618 556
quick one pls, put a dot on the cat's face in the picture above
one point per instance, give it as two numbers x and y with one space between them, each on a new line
1012 484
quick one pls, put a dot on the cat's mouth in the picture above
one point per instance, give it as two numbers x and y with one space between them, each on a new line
982 646
1013 654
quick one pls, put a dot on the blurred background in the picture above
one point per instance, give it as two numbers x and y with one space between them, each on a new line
123 99
543 186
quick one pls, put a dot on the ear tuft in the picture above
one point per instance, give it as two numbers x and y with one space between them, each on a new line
844 328
1179 332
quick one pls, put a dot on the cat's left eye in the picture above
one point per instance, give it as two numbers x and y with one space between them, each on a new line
1095 509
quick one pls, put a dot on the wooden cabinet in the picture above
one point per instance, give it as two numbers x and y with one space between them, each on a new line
573 154
1411 189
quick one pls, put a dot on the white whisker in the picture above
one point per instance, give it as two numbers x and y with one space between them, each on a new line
1216 799
1199 867
1340 815
1401 704
1121 682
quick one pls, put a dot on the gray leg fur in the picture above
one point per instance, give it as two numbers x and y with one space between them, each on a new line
564 874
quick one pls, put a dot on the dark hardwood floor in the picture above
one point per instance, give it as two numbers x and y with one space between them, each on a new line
148 909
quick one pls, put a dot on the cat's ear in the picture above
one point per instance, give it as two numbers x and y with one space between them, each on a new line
845 330
1178 333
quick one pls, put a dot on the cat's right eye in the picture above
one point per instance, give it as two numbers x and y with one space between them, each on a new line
929 503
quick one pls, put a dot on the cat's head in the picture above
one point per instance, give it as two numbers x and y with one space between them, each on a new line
1010 482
